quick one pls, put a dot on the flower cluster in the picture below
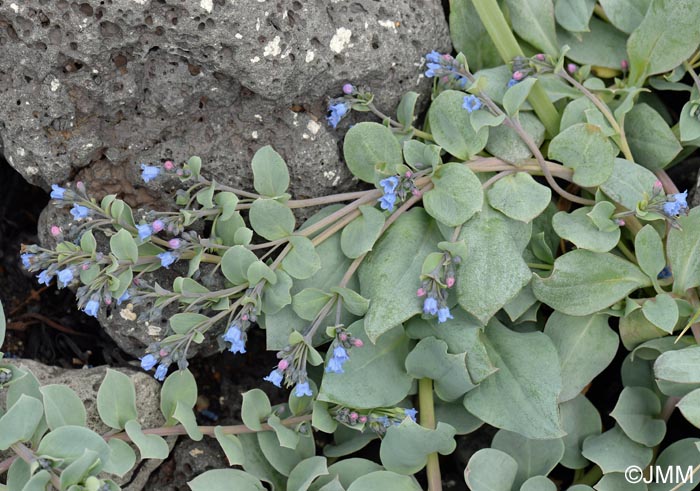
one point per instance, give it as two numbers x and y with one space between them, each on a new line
445 68
396 189
376 420
669 206
339 107
435 285
342 344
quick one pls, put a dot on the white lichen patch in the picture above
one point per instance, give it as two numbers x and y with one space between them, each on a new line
14 7
340 40
127 313
141 2
31 170
257 24
55 84
21 152
333 176
254 134
154 331
388 24
310 55
258 117
207 5
255 60
313 127
273 47
238 35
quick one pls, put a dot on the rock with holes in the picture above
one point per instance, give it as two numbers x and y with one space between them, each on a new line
86 383
91 89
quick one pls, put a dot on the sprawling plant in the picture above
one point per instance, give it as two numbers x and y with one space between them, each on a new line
501 253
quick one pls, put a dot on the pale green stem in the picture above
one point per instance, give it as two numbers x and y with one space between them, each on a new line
427 419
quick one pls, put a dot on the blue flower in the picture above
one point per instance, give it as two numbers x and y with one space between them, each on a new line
433 69
92 307
411 413
57 191
387 201
433 57
125 296
335 364
389 184
148 362
444 314
234 335
44 278
166 259
161 372
430 306
665 273
144 231
149 172
79 211
677 205
27 260
512 82
302 389
336 113
65 276
384 421
471 103
275 378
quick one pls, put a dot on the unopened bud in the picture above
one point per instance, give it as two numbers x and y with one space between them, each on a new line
415 192
363 419
450 281
168 165
539 57
420 292
571 68
174 243
518 75
358 343
343 336
283 365
624 64
348 89
158 225
55 230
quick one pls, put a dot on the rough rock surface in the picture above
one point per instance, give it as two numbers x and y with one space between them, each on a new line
86 382
92 88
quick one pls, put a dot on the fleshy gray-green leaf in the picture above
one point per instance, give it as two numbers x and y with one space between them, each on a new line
62 406
578 228
271 219
574 15
652 142
584 148
533 20
507 145
667 36
684 252
405 448
469 36
384 481
538 483
368 144
390 275
528 377
602 45
256 408
580 420
649 251
626 15
628 183
519 196
359 236
20 421
586 346
456 195
662 311
637 412
302 261
613 451
534 457
680 455
494 270
270 174
225 479
305 472
490 470
584 282
116 399
451 127
150 446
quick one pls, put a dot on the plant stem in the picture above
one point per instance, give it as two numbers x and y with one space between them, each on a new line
508 47
619 128
427 419
591 477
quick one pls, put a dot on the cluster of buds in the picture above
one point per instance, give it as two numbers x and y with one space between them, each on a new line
435 286
376 420
397 189
291 369
151 172
339 107
163 356
343 342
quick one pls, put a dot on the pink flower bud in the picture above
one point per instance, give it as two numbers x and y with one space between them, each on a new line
539 56
55 230
85 267
571 68
158 225
163 352
354 416
420 292
244 317
179 172
168 165
518 75
343 336
174 243
620 222
445 79
624 64
282 365
363 419
408 174
415 192
358 343
450 281
108 300
348 89
658 186
80 186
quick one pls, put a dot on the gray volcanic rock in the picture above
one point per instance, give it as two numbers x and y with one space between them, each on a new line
91 89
